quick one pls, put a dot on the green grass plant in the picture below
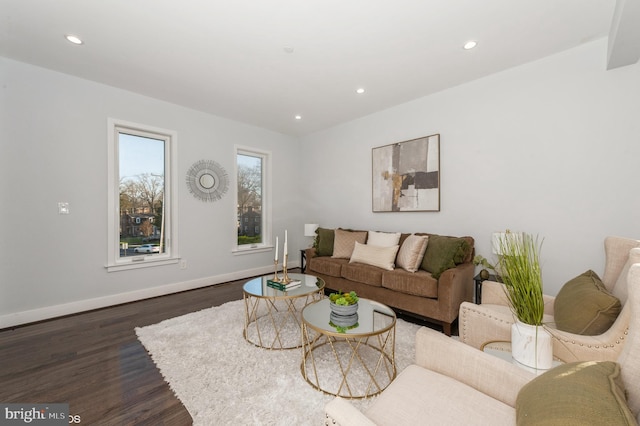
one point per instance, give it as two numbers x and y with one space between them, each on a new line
521 273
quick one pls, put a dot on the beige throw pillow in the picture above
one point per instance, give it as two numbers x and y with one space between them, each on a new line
382 257
383 239
344 242
412 252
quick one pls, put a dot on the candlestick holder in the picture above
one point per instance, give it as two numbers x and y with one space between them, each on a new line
285 277
275 278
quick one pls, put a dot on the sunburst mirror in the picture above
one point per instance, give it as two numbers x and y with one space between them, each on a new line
207 180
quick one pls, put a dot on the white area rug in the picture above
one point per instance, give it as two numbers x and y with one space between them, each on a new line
222 379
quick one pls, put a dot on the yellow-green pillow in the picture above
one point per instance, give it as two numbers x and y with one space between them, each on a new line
444 253
324 241
585 306
576 394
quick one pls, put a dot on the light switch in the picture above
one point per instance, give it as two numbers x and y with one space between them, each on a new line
63 208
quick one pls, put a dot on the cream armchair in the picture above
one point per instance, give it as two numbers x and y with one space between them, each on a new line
492 319
454 384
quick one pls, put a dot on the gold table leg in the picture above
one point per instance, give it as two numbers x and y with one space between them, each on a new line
369 359
267 319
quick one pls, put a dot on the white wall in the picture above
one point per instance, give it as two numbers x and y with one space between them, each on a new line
54 148
550 148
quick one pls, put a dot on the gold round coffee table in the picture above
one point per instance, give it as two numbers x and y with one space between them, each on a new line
272 317
355 362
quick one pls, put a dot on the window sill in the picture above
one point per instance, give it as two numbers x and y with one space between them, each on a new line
251 250
146 263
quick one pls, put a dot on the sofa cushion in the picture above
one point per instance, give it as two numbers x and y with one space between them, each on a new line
411 252
361 273
383 239
444 253
326 265
584 306
420 283
578 393
324 241
379 256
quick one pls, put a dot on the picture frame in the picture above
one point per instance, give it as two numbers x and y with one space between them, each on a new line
406 176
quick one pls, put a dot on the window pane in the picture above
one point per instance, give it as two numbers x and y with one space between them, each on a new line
141 204
249 199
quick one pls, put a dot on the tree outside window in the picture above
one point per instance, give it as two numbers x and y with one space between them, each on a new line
142 183
250 207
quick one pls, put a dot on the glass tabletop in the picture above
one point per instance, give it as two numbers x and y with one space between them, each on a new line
308 284
373 318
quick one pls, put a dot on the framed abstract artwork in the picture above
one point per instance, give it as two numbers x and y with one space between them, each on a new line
406 176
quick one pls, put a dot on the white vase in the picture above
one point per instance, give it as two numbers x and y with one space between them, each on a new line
531 345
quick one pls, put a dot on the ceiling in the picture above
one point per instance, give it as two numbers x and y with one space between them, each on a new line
264 62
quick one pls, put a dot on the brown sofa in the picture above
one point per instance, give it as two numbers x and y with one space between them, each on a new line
416 293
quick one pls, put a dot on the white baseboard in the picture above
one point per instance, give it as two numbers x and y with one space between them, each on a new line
48 312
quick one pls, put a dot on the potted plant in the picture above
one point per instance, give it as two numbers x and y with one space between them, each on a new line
344 303
519 264
344 309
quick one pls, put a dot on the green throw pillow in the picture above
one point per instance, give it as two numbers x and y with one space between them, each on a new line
444 253
579 393
585 306
324 241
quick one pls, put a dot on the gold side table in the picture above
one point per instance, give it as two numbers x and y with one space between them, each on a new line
361 359
272 317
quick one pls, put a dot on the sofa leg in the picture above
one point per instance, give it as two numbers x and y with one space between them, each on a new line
446 328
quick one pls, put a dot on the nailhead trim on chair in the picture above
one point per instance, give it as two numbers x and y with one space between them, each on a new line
328 421
463 320
463 329
620 341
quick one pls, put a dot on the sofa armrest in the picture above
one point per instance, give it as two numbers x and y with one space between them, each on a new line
486 373
340 412
493 293
310 252
458 282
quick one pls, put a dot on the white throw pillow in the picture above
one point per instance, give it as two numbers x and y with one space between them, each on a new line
383 239
382 257
412 252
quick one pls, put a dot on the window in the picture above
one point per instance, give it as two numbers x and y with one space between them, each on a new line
141 182
252 200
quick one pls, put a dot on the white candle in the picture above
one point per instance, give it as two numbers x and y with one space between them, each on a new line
284 261
276 259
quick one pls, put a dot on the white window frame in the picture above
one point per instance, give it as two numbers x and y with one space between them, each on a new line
171 254
266 219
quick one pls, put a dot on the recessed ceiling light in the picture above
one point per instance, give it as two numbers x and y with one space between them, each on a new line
298 117
73 39
470 45
360 91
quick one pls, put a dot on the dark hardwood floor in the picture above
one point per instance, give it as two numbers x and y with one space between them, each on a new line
94 361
